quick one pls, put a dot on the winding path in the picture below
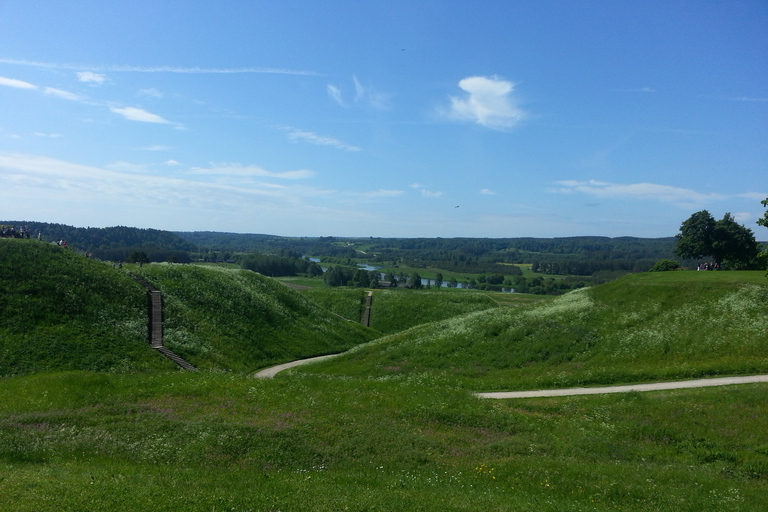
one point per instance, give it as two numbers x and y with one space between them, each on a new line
269 373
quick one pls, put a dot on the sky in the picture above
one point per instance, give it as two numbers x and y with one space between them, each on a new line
387 119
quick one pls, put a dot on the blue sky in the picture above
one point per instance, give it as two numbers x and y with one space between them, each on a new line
397 118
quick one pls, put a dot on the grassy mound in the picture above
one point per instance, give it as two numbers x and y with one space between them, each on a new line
239 320
640 328
60 311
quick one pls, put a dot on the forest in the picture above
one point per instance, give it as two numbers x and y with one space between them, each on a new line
484 263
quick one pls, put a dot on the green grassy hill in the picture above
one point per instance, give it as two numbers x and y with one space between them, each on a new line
60 311
643 327
239 320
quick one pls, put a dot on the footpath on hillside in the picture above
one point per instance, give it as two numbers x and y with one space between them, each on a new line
269 373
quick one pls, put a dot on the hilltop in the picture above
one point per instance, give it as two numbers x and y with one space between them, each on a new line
62 311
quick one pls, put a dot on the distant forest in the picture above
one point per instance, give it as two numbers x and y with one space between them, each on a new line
277 255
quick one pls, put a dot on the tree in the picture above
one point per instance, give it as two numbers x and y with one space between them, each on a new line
415 281
138 257
763 256
724 240
439 280
764 220
696 236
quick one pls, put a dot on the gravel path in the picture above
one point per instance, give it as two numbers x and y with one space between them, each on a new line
699 383
268 373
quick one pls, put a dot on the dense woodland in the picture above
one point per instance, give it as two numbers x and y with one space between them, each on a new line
488 263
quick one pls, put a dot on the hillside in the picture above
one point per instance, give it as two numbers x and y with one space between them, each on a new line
643 327
61 311
239 320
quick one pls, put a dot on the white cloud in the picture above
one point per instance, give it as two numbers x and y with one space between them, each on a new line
52 135
156 147
319 140
61 94
18 84
644 191
384 193
335 93
150 93
91 78
250 171
488 102
430 193
158 69
487 192
742 217
138 114
172 162
364 95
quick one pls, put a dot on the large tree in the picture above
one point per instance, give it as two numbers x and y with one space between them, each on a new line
725 240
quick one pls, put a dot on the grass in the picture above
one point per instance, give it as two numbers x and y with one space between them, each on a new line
210 441
391 426
231 319
400 309
60 311
654 326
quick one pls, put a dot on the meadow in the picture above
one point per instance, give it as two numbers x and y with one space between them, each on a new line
644 327
394 424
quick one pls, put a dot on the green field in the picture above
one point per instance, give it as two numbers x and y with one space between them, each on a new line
391 426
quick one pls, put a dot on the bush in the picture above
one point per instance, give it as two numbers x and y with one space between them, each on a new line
665 265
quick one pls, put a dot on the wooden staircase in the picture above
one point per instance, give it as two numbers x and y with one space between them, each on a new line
156 324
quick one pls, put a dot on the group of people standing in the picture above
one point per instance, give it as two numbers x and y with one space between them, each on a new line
709 266
12 232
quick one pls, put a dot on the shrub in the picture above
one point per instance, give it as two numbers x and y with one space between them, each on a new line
665 265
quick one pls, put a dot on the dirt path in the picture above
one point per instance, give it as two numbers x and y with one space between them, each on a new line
699 383
268 373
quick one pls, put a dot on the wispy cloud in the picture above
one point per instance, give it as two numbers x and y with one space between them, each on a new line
155 69
643 191
488 102
295 135
18 84
364 95
425 192
138 114
66 95
335 94
155 147
249 171
150 93
487 192
90 77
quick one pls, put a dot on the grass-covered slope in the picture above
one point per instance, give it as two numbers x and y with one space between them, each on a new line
396 310
643 327
399 309
239 320
60 311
